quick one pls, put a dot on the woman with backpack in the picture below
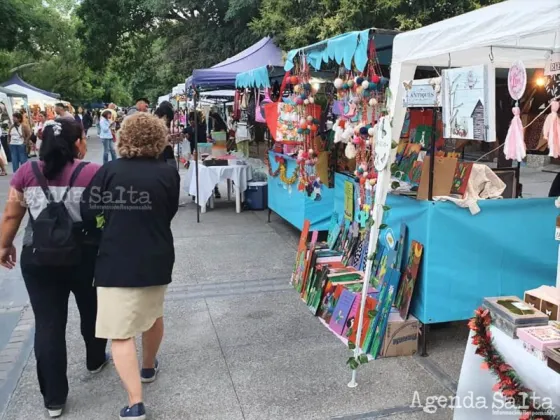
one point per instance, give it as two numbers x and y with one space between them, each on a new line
133 200
55 259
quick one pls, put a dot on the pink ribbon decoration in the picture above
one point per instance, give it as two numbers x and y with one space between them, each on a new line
551 130
514 147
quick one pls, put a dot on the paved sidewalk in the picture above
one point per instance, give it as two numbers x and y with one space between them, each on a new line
239 342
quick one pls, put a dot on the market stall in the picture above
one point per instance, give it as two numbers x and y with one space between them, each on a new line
299 191
415 228
12 100
496 36
35 96
219 77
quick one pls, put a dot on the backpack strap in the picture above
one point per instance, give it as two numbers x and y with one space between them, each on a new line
42 181
73 178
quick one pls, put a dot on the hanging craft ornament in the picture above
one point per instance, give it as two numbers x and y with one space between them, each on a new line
551 130
514 145
382 143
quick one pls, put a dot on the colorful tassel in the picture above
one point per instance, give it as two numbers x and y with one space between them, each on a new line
514 147
551 130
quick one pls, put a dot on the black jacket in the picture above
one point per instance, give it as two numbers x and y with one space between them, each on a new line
133 201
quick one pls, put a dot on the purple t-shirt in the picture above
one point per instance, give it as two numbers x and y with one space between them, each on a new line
25 182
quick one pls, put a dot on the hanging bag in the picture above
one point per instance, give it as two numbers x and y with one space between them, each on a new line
259 109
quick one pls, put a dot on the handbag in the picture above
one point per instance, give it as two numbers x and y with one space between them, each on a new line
259 108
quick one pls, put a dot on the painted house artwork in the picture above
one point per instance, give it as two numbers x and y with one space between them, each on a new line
468 101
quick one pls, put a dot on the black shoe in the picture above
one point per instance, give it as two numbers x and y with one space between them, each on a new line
136 412
103 365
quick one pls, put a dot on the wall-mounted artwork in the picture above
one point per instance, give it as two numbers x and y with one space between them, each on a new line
469 103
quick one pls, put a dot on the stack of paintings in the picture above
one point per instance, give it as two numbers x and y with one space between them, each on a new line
329 276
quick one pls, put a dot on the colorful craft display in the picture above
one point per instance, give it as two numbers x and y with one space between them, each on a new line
509 383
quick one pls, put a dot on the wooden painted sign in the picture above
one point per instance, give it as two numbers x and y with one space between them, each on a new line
422 93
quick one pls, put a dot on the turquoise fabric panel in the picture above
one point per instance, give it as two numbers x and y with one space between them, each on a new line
255 78
342 49
360 56
296 206
506 249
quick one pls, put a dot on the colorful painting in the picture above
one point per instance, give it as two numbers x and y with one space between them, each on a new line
326 299
468 102
409 157
400 247
341 311
415 173
406 125
369 311
300 256
409 277
332 302
316 290
423 136
351 324
461 178
384 310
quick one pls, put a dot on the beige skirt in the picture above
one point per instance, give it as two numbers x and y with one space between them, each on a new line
125 312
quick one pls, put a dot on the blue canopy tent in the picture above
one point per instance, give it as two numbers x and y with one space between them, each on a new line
222 76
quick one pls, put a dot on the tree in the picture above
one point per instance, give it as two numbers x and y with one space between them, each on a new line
296 23
157 43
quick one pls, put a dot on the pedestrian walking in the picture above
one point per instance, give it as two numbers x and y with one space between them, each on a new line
106 135
61 111
87 121
55 259
165 112
134 199
19 135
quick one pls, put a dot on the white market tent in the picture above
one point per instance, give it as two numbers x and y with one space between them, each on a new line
527 30
35 96
497 35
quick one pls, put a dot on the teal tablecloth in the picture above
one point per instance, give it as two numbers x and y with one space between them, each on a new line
506 249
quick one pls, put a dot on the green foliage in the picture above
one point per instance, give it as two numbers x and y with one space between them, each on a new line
115 50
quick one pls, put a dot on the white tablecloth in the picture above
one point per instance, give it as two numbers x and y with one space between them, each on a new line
477 382
210 176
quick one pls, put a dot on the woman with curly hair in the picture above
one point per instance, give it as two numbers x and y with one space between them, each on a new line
133 200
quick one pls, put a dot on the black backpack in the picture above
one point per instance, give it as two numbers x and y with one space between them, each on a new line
55 235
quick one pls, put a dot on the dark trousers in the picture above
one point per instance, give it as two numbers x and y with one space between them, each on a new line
49 289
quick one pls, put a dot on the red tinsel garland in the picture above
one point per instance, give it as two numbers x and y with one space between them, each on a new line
509 383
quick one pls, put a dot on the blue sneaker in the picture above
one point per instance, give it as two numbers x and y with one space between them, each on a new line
149 375
136 412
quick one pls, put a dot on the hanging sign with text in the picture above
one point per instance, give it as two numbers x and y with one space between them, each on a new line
552 66
422 93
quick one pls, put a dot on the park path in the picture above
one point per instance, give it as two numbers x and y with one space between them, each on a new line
239 343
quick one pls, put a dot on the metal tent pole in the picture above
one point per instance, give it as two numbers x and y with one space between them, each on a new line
195 154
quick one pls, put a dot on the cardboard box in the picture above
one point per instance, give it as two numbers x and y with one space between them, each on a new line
401 337
546 299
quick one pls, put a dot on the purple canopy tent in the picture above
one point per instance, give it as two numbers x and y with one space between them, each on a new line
222 75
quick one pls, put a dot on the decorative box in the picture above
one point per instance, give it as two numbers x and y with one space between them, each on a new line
537 339
510 313
553 358
546 299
